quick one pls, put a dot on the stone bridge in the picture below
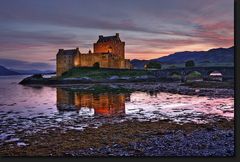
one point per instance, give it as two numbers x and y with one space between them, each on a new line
227 72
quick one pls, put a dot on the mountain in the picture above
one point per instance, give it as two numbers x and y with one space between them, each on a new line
4 71
139 64
212 56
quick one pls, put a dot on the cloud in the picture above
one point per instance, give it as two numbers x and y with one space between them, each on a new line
62 13
41 27
11 40
52 59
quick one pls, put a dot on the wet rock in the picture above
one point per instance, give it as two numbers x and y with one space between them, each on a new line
197 143
114 77
32 79
4 136
143 77
12 140
125 78
86 78
21 144
114 86
229 134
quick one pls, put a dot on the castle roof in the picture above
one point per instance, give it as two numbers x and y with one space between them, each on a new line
69 51
108 38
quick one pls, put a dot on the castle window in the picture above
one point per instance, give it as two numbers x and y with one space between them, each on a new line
110 49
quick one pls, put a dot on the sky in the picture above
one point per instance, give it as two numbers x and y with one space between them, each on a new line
32 31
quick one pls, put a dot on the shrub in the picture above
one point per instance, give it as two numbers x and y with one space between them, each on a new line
189 63
96 65
154 65
194 75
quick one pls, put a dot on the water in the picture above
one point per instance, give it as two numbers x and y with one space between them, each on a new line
27 110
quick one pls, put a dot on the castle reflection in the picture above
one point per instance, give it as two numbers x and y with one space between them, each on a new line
105 104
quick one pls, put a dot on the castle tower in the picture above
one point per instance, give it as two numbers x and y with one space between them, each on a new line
67 59
110 44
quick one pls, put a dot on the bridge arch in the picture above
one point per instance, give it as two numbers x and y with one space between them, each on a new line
226 72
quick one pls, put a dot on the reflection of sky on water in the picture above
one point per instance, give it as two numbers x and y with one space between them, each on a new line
28 102
26 108
174 105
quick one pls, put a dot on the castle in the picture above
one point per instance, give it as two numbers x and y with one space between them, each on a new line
108 52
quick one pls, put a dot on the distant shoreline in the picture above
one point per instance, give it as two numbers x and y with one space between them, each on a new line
211 89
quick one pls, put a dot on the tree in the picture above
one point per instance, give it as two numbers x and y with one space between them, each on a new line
153 65
189 63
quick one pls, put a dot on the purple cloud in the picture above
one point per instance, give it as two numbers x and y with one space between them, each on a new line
152 26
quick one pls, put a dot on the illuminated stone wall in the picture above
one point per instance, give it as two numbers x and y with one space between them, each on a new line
87 60
117 48
66 62
105 60
109 54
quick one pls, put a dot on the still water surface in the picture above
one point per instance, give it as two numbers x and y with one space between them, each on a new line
32 109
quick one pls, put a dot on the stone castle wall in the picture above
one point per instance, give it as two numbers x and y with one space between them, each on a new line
114 47
109 54
105 61
64 63
88 60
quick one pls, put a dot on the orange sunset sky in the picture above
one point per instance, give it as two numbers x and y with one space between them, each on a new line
31 32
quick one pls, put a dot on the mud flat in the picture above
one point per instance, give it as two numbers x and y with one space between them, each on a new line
130 138
140 132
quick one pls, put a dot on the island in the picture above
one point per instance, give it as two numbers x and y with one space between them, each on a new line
107 66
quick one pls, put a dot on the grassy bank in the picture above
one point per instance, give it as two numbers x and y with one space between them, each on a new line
98 89
96 73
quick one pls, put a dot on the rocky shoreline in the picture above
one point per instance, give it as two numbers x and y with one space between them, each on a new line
197 143
154 87
144 84
40 80
131 138
179 88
